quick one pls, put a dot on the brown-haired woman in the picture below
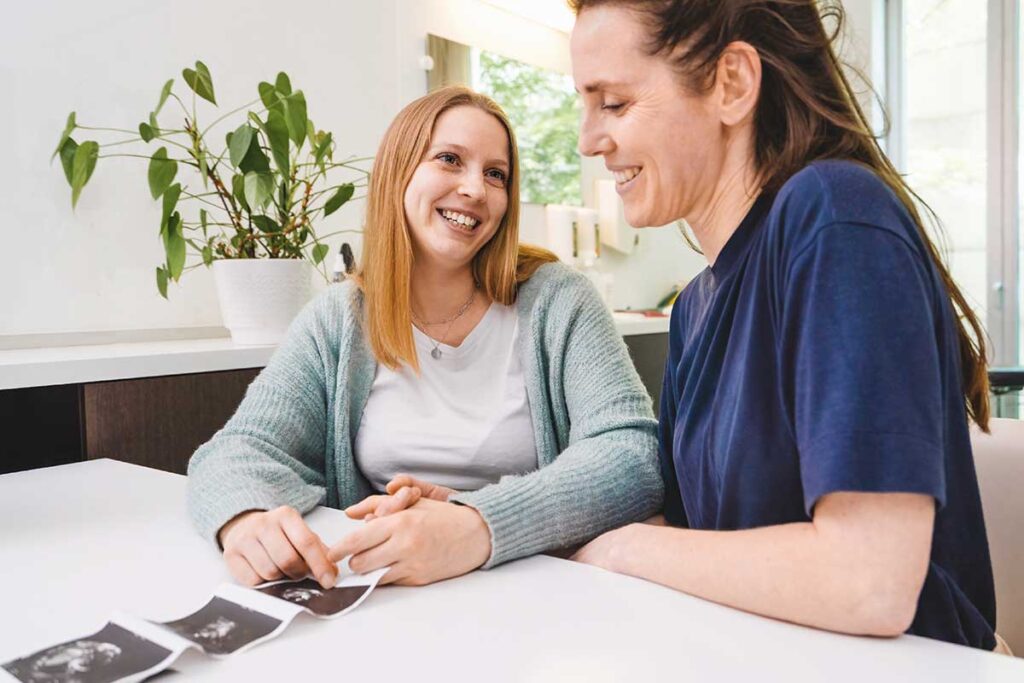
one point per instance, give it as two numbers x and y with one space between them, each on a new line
823 368
490 373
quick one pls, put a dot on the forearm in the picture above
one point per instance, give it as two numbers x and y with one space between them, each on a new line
234 473
790 572
593 486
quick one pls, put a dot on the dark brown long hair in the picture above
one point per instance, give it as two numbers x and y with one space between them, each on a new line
806 111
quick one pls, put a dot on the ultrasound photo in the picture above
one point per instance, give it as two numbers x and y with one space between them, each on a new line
222 627
110 654
318 600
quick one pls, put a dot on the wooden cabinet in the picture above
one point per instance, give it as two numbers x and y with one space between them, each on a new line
160 421
155 421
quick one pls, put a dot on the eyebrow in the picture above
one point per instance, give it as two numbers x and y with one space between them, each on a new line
597 85
463 150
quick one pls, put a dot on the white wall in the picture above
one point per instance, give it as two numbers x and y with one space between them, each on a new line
107 59
357 61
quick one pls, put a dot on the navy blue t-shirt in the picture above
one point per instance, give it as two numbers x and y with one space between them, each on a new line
820 354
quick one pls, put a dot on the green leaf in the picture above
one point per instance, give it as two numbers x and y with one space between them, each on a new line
161 281
258 189
68 128
319 252
146 132
204 169
200 81
67 156
266 224
207 255
339 198
170 202
174 245
311 132
268 95
321 151
238 190
277 132
202 220
238 145
295 117
165 92
283 84
255 159
161 172
259 122
153 124
82 167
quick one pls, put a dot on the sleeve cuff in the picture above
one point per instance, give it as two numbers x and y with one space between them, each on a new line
871 462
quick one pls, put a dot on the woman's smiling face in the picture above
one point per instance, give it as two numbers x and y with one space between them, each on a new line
458 193
663 144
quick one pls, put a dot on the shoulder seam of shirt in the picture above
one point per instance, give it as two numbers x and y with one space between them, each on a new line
864 224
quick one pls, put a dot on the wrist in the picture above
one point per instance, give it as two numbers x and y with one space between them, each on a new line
479 534
225 530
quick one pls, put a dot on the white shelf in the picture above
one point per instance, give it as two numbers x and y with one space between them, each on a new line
104 362
637 323
49 366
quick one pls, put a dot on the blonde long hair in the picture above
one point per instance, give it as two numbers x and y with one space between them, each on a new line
385 277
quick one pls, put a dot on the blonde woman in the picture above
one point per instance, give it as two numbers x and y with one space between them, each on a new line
487 371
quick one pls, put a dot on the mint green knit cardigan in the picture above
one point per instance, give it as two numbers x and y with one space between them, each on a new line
290 441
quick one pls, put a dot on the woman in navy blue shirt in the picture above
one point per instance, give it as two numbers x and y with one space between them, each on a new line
822 370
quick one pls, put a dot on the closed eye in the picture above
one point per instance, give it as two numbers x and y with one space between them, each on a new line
612 107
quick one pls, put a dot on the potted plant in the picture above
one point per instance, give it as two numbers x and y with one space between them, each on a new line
254 202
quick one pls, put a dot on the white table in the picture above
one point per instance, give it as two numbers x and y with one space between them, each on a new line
78 542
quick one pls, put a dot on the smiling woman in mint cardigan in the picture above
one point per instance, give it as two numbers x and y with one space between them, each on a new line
575 439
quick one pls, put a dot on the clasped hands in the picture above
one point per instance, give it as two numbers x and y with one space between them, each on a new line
412 529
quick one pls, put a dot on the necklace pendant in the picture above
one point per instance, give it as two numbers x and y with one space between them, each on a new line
435 353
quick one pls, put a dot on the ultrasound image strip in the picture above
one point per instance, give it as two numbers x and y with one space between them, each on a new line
111 654
222 627
132 649
318 601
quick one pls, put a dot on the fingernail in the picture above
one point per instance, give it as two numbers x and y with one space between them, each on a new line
327 580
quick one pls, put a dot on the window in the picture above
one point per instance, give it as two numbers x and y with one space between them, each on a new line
956 121
544 110
542 107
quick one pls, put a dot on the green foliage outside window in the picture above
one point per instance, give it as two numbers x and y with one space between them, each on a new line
544 110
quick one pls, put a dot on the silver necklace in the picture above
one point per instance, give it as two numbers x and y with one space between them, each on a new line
435 352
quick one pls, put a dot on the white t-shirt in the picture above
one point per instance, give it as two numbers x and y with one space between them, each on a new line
464 422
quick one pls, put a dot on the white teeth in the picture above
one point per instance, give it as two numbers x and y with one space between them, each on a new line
459 218
627 175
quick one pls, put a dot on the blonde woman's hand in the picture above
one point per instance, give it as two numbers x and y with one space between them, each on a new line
262 545
430 541
403 491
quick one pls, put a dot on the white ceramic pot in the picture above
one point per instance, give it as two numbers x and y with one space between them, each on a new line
260 297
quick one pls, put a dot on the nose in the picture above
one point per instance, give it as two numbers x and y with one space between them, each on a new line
594 140
472 187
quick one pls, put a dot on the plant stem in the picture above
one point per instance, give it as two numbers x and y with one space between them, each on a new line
184 109
233 111
201 198
143 156
120 142
332 234
335 187
112 130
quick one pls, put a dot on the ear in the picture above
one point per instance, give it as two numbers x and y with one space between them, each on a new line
738 81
